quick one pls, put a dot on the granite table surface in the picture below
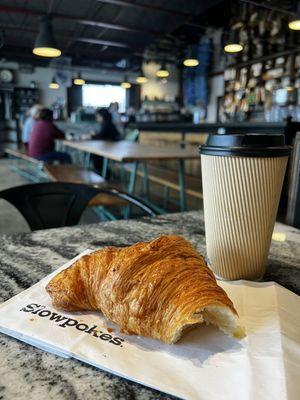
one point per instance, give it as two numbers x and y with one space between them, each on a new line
30 373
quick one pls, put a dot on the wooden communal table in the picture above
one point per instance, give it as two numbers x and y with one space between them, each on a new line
137 154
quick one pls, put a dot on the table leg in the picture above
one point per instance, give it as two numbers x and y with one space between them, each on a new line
183 143
146 180
132 180
131 187
104 214
104 167
86 160
181 185
166 197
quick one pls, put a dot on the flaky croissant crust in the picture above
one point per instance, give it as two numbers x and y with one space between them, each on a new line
156 289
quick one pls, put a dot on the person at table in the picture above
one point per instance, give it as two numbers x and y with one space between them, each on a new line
108 130
131 115
42 140
116 116
32 117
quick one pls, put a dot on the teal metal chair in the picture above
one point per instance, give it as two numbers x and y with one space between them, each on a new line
132 135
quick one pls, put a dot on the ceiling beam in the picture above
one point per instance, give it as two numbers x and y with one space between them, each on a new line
101 42
196 25
268 7
189 20
152 7
187 16
13 49
99 24
18 53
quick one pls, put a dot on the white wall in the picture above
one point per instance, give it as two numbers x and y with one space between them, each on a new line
154 88
43 76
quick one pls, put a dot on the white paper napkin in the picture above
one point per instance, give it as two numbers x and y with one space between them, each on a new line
205 364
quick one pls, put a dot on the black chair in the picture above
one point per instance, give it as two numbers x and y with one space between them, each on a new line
55 204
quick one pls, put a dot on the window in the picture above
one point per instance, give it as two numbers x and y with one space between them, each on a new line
103 95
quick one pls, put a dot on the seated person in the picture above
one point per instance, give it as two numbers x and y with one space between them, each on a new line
108 130
32 117
41 143
116 116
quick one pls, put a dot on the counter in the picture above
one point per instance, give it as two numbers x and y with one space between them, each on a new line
289 128
213 127
77 129
29 373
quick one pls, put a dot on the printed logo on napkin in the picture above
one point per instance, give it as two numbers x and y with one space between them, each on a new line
66 322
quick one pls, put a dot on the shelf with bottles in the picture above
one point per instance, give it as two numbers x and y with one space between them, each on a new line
23 99
261 32
260 86
257 74
159 117
156 105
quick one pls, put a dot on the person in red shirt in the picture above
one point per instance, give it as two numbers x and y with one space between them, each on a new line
42 140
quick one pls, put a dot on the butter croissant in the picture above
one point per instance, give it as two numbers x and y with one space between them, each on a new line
159 289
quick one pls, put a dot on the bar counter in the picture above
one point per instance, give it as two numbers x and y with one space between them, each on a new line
212 127
29 373
186 130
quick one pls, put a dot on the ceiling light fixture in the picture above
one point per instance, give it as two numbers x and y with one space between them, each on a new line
233 48
79 80
163 72
289 88
53 84
294 24
290 85
191 62
45 45
191 59
233 44
141 77
125 84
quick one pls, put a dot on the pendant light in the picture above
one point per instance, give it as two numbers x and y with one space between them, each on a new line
141 77
191 59
289 88
290 85
294 24
233 44
162 72
191 62
53 84
125 84
79 80
45 45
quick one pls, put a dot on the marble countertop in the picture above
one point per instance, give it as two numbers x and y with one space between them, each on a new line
29 373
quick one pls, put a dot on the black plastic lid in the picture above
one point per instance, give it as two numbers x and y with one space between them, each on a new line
246 145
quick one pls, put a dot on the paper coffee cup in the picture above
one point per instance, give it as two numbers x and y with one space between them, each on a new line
242 177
